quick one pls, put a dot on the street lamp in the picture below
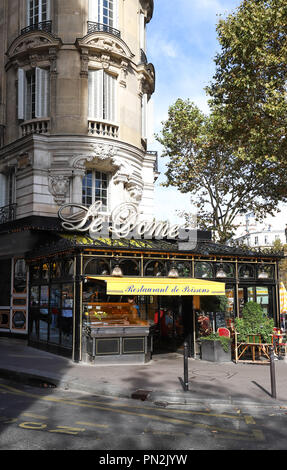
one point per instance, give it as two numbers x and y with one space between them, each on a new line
221 273
173 272
117 272
262 273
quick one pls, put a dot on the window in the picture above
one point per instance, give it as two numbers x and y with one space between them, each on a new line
102 95
144 105
33 93
103 11
95 188
142 32
7 188
38 11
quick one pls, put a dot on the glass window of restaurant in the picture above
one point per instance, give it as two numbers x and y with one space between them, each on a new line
102 309
256 284
173 315
51 302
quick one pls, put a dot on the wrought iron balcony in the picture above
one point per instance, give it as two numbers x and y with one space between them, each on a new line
100 27
43 26
7 213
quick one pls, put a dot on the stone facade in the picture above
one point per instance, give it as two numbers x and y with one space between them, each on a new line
48 140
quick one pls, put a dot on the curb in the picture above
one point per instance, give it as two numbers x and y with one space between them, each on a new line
159 398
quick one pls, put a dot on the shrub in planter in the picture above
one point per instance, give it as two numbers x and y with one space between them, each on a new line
215 348
254 322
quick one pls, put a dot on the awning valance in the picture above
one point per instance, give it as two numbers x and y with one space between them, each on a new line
160 286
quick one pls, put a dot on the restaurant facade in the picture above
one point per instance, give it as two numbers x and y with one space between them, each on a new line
104 300
75 92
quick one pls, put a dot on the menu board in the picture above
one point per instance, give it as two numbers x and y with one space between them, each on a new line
220 320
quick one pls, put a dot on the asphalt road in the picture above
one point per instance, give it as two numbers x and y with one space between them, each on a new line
33 418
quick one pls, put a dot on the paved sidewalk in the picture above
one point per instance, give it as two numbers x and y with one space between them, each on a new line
208 382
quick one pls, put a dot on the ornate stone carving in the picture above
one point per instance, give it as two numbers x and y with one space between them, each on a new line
53 61
58 187
101 42
84 62
124 72
105 60
24 160
135 192
108 154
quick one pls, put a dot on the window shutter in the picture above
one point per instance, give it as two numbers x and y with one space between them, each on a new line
3 189
115 13
21 93
46 93
48 10
109 97
144 116
95 94
94 10
142 32
42 93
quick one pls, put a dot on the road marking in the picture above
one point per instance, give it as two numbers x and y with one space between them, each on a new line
67 430
32 415
153 417
95 425
248 419
32 425
256 435
5 420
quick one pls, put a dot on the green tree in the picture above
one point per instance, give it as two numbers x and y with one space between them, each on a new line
202 163
249 88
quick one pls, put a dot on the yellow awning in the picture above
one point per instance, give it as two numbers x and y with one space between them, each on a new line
160 286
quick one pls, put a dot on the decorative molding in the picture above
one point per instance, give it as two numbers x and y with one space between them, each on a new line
24 160
103 43
33 41
106 154
135 191
84 62
58 186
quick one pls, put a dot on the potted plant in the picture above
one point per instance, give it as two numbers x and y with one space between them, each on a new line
215 348
254 326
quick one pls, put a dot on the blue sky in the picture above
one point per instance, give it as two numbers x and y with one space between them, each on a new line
181 43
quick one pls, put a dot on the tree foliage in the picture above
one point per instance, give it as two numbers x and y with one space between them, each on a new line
249 86
235 160
201 163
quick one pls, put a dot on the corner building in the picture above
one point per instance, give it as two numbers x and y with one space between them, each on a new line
75 88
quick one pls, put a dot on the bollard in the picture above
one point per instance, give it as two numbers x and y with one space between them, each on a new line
272 372
185 366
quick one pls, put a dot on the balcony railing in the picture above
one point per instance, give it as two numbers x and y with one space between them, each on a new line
7 213
36 126
43 26
100 27
103 129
